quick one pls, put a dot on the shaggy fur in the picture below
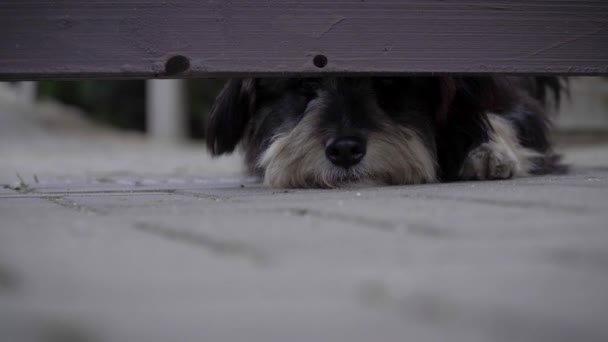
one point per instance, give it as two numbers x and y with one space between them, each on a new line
415 129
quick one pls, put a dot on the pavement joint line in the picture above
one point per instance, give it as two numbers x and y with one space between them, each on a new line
40 193
70 204
414 228
119 192
376 224
29 195
198 195
505 203
101 195
214 245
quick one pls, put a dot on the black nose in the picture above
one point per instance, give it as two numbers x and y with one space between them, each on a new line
345 152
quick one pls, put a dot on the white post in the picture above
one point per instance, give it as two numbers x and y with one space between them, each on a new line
26 92
587 107
166 110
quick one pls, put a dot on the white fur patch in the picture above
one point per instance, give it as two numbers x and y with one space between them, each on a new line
501 157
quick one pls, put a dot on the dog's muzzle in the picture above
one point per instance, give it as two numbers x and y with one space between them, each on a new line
345 151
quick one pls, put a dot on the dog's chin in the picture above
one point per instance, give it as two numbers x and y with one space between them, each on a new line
336 177
330 177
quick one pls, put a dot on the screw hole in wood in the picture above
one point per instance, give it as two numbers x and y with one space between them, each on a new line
320 61
177 65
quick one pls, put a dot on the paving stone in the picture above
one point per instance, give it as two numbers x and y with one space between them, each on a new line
232 263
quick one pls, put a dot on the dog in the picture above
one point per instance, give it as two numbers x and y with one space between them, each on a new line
333 132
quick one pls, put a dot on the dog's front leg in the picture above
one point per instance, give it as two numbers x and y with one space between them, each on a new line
501 157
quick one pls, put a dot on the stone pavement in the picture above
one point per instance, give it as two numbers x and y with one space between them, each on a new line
100 249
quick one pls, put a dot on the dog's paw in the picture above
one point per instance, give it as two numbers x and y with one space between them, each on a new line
491 160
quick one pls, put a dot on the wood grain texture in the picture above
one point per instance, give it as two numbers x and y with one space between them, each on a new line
135 38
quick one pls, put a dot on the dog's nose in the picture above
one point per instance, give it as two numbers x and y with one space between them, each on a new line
345 152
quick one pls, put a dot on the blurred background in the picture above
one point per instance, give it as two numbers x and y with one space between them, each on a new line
107 131
124 104
101 129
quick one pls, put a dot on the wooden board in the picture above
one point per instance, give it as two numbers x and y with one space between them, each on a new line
49 39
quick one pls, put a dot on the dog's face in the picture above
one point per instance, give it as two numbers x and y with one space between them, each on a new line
330 132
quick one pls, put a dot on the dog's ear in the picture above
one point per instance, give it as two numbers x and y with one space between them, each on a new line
229 115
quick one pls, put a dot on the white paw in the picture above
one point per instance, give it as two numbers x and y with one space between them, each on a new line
491 160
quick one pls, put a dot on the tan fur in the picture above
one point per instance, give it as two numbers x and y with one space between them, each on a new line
401 155
296 159
395 155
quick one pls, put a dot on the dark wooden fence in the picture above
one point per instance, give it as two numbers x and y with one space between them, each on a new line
54 39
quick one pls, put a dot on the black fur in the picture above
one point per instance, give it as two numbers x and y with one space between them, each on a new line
521 100
231 113
448 112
